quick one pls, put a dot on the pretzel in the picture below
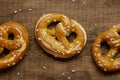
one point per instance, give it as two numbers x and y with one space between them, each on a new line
107 62
60 48
17 45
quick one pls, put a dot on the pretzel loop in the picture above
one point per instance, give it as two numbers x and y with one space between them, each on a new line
61 47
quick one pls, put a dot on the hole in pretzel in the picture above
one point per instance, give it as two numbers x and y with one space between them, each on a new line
118 33
52 25
71 37
4 53
11 36
117 55
105 48
56 38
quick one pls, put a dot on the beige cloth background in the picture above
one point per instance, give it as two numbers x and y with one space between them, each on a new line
94 15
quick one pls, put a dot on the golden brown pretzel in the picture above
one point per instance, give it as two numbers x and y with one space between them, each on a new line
60 48
17 46
107 62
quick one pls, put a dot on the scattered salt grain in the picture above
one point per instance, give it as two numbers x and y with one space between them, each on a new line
95 24
69 78
73 71
63 74
29 9
20 10
15 11
44 67
18 73
84 2
73 0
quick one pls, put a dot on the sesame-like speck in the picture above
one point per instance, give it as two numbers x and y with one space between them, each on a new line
105 69
111 59
39 38
97 45
100 65
114 26
112 39
99 62
20 57
117 45
98 54
7 29
8 64
14 55
13 63
103 60
54 37
53 28
95 54
78 51
48 21
37 30
113 53
62 47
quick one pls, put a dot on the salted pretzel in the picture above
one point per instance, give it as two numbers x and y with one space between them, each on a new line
60 48
107 62
17 46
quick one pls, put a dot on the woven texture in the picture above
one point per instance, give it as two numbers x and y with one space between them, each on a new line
94 15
